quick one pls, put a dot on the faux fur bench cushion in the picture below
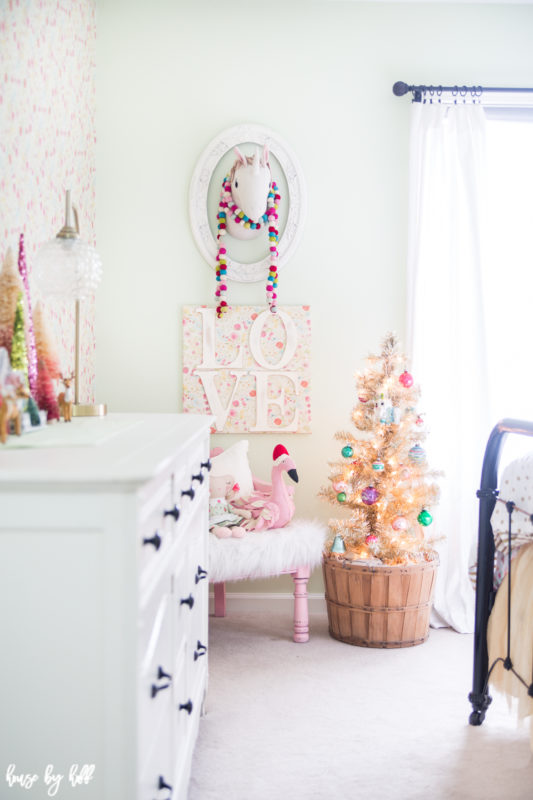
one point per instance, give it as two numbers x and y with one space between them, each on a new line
263 554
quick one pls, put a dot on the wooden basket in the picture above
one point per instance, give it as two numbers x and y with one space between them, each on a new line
379 606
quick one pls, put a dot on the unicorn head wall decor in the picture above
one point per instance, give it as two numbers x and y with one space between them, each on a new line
248 204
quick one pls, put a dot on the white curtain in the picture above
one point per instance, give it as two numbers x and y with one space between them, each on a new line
446 331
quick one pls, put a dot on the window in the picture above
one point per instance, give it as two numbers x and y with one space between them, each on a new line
508 265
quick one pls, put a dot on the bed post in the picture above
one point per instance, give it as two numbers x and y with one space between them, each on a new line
487 494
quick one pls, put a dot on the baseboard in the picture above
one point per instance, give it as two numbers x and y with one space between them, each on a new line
253 602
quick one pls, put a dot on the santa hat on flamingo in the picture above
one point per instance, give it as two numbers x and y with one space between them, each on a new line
279 451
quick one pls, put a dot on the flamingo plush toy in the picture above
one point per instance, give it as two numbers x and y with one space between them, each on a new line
271 505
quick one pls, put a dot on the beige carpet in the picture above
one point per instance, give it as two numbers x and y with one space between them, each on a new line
328 721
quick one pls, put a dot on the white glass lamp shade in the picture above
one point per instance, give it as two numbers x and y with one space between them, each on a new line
67 268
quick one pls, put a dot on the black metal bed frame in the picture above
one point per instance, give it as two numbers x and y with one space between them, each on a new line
487 494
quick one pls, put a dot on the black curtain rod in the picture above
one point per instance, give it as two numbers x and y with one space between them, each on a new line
400 88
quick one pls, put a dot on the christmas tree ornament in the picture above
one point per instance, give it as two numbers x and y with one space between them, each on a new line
371 538
347 451
405 473
406 379
363 398
30 335
369 495
378 465
425 518
419 421
338 545
341 497
399 524
417 454
339 486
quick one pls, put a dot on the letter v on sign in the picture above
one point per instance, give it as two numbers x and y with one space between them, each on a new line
207 376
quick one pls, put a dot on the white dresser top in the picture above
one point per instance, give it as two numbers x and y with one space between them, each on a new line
116 449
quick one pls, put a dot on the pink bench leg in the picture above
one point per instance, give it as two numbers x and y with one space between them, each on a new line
220 599
301 608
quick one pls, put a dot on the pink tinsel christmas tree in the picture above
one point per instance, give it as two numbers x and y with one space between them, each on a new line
30 336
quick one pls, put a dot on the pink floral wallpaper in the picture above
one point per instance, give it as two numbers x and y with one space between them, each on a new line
47 142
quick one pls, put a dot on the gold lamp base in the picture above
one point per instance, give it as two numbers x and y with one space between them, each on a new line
85 410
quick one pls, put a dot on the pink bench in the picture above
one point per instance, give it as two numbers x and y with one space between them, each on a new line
293 550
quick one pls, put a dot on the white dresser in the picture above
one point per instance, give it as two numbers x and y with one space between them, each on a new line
103 607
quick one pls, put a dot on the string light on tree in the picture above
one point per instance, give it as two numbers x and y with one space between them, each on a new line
387 485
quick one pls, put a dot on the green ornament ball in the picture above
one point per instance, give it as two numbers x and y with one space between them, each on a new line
347 452
425 518
341 497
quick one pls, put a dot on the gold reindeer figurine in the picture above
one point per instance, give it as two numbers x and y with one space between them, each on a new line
66 398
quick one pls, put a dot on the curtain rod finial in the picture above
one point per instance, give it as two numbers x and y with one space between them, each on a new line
400 88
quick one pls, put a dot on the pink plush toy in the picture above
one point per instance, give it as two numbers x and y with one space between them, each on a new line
225 518
271 505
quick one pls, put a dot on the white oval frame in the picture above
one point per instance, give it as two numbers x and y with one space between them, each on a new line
297 199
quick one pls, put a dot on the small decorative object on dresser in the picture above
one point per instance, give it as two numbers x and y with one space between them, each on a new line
66 398
103 591
68 268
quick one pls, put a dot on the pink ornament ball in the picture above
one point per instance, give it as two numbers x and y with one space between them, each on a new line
399 524
340 486
371 538
406 379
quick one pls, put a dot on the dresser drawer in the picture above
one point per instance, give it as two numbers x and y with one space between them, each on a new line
156 665
156 778
155 531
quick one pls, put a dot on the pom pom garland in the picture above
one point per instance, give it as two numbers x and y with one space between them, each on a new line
270 218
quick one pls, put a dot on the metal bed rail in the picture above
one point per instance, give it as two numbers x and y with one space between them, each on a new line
488 492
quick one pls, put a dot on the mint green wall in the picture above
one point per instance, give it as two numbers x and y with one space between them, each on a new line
170 76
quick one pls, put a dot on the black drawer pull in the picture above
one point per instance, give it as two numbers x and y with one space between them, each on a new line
206 465
187 601
155 540
200 574
172 512
199 477
155 689
201 650
186 707
188 492
162 674
162 785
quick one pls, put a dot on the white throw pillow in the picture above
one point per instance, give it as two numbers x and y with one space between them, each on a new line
234 461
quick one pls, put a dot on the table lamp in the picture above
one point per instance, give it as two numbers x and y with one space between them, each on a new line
70 269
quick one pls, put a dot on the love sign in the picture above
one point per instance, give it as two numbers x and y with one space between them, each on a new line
250 369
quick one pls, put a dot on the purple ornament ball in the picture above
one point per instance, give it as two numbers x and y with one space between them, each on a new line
369 495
